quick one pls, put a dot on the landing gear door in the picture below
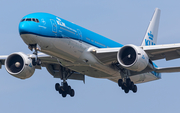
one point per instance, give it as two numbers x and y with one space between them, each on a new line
54 26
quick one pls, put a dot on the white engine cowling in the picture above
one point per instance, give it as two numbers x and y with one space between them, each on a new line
133 58
19 65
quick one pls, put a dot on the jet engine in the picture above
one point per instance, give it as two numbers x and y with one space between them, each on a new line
19 65
133 58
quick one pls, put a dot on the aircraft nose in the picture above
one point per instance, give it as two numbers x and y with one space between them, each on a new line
24 27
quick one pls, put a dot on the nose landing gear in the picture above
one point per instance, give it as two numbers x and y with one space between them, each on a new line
36 60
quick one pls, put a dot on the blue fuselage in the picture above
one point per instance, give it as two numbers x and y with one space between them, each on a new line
47 25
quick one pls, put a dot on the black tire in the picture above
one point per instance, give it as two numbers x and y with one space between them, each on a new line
60 90
131 86
57 86
69 89
72 93
126 90
135 89
120 82
123 86
64 94
128 82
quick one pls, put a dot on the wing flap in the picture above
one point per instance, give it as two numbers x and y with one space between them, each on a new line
167 51
168 70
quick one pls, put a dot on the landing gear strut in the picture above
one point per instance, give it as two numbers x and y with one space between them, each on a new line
127 85
36 48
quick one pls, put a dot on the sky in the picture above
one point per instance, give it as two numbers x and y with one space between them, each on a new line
124 21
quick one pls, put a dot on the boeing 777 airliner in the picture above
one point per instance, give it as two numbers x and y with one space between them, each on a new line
69 51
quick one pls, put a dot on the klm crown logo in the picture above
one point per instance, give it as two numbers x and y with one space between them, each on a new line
150 35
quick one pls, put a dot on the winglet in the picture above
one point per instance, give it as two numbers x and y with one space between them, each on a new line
150 37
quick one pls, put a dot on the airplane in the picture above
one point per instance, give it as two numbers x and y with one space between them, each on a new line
69 51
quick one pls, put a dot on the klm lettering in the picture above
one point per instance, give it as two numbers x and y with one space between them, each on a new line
148 42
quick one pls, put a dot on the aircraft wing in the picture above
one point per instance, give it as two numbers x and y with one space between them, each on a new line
50 62
155 52
43 57
168 70
105 55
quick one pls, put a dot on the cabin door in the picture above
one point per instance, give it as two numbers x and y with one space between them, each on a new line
54 26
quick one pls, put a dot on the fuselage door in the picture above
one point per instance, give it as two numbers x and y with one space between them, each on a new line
54 26
79 35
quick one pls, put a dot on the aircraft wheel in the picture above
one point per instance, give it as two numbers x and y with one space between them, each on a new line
57 86
72 93
64 94
120 82
134 89
131 86
128 82
126 90
123 86
69 89
60 90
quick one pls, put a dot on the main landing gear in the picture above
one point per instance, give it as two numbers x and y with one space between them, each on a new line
127 85
64 89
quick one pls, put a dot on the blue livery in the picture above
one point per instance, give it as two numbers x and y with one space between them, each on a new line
48 25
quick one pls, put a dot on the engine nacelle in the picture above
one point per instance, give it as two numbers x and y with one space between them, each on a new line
133 58
19 65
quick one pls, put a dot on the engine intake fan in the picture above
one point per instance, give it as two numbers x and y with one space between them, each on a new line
133 58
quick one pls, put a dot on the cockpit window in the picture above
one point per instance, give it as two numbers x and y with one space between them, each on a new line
22 20
34 19
30 19
37 20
